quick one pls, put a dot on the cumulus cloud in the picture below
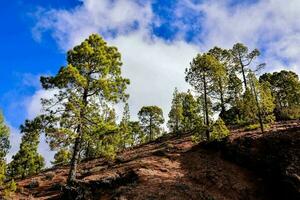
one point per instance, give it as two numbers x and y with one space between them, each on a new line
69 27
154 67
270 25
15 139
34 107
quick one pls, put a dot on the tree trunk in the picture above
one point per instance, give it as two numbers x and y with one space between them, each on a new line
77 145
74 160
151 136
244 75
206 107
222 97
258 108
176 123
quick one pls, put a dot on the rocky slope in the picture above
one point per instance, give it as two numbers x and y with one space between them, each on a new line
246 165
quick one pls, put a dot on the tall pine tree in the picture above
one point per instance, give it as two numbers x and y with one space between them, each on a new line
151 118
92 75
200 76
126 136
4 147
176 113
27 160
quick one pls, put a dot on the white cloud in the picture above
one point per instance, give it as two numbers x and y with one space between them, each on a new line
34 107
15 140
69 27
271 25
154 67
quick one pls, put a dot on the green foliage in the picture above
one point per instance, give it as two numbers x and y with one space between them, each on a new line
220 77
4 147
200 75
242 60
175 114
289 113
9 189
252 127
27 161
105 139
125 133
151 118
191 113
266 102
2 172
219 130
248 108
285 88
91 78
185 113
62 157
4 138
137 132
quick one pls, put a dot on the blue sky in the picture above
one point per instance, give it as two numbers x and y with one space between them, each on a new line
157 39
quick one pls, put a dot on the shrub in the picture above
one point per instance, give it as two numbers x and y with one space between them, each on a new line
219 130
252 127
289 113
9 189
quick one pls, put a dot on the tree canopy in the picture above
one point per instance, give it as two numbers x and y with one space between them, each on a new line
91 78
151 118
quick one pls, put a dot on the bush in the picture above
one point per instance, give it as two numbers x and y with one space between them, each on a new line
199 135
219 130
9 189
289 113
252 127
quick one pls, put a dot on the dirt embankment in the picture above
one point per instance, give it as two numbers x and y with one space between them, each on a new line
244 166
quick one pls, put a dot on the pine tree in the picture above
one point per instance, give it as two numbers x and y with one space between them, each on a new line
62 157
27 160
200 76
266 102
92 75
126 137
219 130
248 108
257 103
151 118
104 139
4 147
235 89
285 88
176 113
137 133
191 119
220 75
4 138
7 187
242 60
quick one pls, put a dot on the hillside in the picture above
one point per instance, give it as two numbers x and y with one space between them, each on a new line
246 165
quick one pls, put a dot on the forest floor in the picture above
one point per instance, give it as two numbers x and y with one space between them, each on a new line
246 165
